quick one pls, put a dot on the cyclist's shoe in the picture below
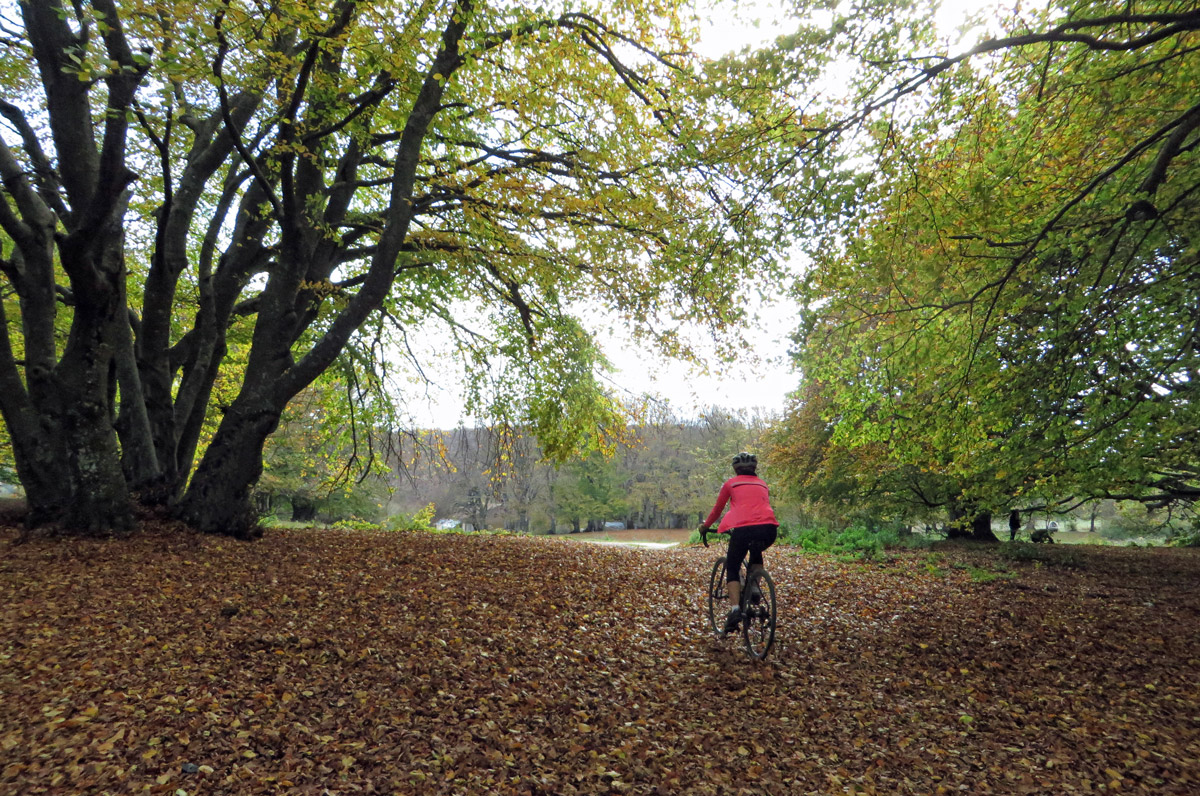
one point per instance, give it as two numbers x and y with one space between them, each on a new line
755 594
733 619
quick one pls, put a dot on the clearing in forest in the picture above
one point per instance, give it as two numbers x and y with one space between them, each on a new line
349 662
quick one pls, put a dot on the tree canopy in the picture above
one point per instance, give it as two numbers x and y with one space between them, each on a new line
1006 313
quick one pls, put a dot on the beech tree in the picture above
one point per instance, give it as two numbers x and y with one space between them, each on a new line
1009 302
190 185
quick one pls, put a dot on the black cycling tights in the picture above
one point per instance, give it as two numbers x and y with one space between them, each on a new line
740 540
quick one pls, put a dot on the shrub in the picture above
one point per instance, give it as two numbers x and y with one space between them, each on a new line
861 543
1134 521
1191 539
356 524
856 541
814 539
419 521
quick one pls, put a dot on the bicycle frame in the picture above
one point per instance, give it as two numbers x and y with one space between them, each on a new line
758 616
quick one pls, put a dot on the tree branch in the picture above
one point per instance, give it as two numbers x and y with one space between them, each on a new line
47 179
1172 147
227 116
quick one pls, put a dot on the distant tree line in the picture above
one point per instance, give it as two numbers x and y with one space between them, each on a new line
664 472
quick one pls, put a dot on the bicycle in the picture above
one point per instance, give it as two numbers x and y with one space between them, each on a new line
757 602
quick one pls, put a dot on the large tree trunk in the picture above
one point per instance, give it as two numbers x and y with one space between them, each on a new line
177 413
210 147
61 417
981 527
969 522
100 501
218 499
304 509
68 219
956 523
66 449
40 458
87 380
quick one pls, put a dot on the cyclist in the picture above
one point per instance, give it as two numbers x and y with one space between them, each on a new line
749 520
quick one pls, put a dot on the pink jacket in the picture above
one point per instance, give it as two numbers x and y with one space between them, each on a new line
750 504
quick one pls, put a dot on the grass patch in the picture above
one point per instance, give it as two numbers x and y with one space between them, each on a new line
273 521
1049 555
477 532
982 575
854 543
355 524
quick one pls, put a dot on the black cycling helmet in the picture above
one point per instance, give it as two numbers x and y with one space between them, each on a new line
745 464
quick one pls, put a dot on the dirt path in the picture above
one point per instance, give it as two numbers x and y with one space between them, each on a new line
659 536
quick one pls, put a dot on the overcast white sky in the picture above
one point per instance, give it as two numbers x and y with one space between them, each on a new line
760 380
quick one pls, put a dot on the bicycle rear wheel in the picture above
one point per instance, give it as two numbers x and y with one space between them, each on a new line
718 598
758 623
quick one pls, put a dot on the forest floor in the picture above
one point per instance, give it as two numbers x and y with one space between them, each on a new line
315 662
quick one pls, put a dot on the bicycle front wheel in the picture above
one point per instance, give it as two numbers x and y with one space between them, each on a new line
718 598
758 624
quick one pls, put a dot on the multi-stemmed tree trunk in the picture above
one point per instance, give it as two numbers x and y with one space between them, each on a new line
65 446
64 418
218 498
97 416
